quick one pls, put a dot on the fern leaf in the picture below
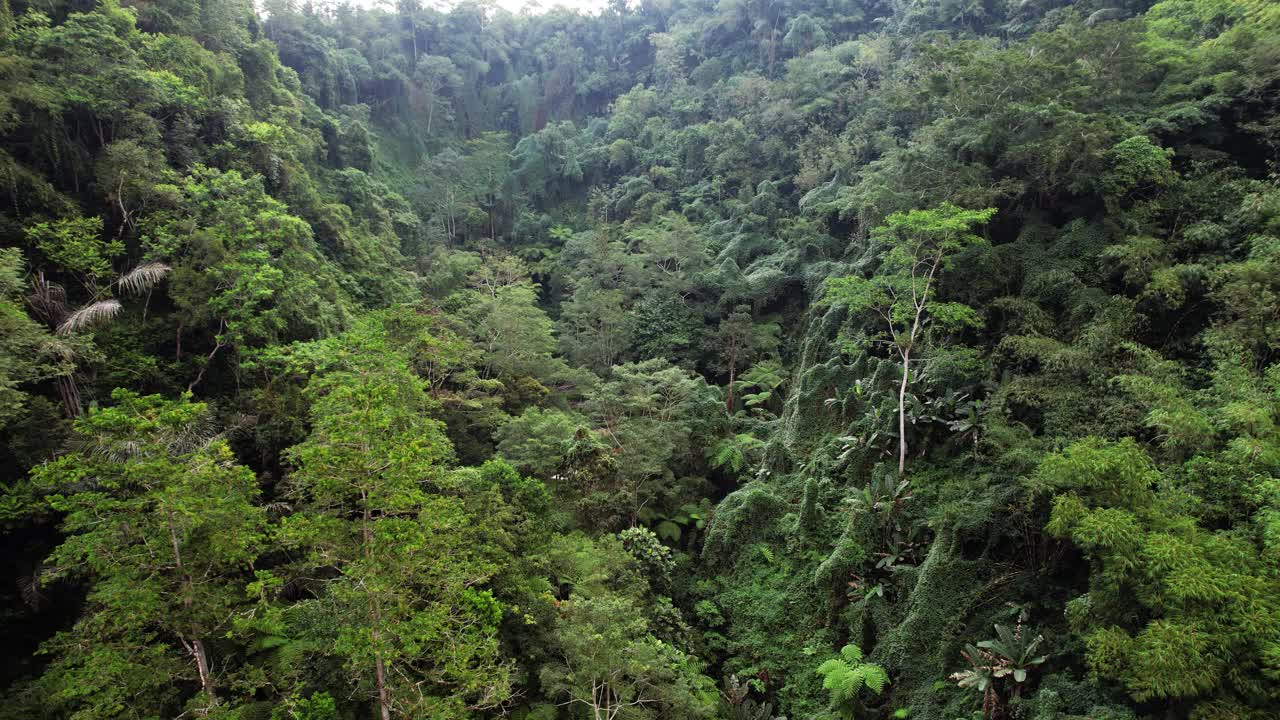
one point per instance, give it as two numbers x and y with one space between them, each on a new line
269 642
727 454
857 678
829 668
852 654
767 553
875 677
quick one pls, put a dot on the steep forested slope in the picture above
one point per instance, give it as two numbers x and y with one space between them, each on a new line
862 359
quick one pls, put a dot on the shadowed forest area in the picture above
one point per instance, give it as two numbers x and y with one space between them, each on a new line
691 360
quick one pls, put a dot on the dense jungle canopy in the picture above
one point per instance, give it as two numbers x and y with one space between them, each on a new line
685 360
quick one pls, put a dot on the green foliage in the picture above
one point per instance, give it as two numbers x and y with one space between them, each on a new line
741 707
371 483
566 348
23 344
846 675
319 706
1201 594
845 559
607 662
538 440
499 313
1137 165
732 453
900 300
1000 668
742 516
242 264
75 244
159 522
645 547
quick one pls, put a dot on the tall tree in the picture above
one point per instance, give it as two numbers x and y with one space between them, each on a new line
375 509
901 296
436 75
742 341
161 523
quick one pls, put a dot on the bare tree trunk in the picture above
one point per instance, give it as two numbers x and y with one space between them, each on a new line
902 414
69 393
731 355
218 345
196 646
380 668
728 402
920 302
384 702
773 45
202 666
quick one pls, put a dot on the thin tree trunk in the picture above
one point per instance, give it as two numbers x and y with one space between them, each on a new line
773 45
196 646
384 702
728 402
380 669
69 392
732 357
902 414
920 304
202 666
218 345
413 28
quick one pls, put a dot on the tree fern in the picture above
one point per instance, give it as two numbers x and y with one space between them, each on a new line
875 678
844 677
732 453
727 454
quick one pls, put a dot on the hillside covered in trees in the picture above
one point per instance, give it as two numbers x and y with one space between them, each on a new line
691 360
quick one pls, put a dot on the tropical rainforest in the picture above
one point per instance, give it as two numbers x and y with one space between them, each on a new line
680 360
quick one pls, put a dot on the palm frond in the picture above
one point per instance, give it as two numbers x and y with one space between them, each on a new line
143 277
91 314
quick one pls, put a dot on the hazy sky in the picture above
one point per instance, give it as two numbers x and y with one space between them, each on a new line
514 6
584 5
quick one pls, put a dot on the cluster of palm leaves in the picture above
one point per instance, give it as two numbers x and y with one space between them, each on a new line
49 302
